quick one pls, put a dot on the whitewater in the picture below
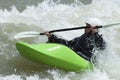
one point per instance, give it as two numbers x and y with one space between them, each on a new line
50 15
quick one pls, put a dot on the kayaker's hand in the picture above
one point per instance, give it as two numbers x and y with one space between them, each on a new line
48 34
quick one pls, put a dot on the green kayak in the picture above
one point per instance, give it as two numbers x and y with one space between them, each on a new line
55 55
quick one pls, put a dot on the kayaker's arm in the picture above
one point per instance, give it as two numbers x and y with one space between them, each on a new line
54 39
99 41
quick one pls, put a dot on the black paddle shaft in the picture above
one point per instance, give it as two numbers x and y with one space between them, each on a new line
68 29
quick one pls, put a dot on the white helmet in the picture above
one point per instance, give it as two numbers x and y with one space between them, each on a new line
94 22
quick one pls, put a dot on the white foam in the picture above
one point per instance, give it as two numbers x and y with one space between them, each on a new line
54 16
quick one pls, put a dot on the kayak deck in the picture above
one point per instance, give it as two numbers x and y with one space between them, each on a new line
55 55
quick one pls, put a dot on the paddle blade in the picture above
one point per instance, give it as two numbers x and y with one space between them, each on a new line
26 34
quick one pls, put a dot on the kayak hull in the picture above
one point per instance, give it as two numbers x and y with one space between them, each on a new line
55 55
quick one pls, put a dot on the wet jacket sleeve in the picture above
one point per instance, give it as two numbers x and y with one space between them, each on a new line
99 42
55 39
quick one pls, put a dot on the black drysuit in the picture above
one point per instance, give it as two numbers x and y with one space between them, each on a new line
83 45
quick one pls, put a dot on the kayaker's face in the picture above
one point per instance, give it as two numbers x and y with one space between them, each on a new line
91 29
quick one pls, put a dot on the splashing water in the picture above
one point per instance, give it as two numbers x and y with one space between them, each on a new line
49 15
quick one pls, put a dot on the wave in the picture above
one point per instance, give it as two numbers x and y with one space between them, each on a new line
48 16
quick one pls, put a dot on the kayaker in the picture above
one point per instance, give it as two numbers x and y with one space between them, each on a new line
86 44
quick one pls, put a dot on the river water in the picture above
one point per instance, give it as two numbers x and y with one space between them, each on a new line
38 15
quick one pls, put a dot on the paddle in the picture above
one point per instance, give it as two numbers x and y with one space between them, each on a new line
34 34
68 29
